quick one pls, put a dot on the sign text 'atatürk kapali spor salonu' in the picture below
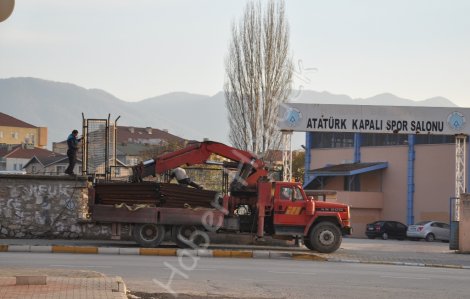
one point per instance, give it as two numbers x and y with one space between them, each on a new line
374 119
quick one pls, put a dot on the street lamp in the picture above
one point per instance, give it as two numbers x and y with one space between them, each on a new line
6 8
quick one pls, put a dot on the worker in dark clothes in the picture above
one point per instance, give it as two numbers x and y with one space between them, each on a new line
182 178
72 143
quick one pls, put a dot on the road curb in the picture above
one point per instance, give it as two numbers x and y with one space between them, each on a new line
433 265
212 253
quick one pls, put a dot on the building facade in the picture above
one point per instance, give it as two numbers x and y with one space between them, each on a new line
15 158
390 178
50 165
386 162
15 131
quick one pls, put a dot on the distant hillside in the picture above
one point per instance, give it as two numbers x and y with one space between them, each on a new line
59 106
386 99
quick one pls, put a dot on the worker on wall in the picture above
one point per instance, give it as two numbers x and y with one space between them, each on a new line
182 178
72 143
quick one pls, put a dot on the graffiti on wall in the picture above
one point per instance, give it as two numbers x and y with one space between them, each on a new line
34 203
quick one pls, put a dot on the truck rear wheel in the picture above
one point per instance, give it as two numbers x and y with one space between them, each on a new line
149 234
187 236
325 237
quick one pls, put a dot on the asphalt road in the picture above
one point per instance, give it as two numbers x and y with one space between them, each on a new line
251 278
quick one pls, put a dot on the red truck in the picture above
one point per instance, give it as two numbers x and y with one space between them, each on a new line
254 204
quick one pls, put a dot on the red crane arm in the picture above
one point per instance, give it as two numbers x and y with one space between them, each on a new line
250 167
200 152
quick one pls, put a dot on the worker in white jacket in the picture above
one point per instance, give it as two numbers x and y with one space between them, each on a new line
182 178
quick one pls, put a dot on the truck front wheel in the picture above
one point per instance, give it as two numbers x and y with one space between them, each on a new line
325 237
149 234
308 244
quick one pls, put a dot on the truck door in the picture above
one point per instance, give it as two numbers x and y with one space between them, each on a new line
289 210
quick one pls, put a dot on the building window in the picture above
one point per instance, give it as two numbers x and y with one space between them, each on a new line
1 134
14 135
352 183
372 139
14 166
333 140
33 169
60 169
434 139
29 138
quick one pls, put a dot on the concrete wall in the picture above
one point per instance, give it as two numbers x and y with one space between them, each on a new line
365 207
434 181
323 157
394 178
371 181
46 206
360 218
334 183
464 224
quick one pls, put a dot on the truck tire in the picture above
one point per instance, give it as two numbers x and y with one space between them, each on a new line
325 237
149 234
308 244
181 235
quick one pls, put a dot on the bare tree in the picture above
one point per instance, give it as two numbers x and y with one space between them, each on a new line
258 76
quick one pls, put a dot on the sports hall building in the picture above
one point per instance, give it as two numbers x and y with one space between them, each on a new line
387 163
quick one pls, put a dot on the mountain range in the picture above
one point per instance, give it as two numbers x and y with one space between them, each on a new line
59 106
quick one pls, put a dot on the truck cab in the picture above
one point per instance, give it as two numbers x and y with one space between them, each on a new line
320 224
290 213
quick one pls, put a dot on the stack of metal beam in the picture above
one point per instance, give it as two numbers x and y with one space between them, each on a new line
176 196
158 194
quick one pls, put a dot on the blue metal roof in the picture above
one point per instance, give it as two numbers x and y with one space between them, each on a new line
348 169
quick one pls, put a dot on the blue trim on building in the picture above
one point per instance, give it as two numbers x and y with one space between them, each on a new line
310 180
410 218
357 147
377 166
468 164
308 156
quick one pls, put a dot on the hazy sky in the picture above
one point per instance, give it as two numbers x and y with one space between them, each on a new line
139 49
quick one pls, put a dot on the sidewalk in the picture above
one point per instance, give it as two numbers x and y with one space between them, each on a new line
86 285
409 253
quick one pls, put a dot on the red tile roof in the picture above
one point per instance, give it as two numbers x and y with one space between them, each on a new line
134 133
25 153
4 150
9 121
